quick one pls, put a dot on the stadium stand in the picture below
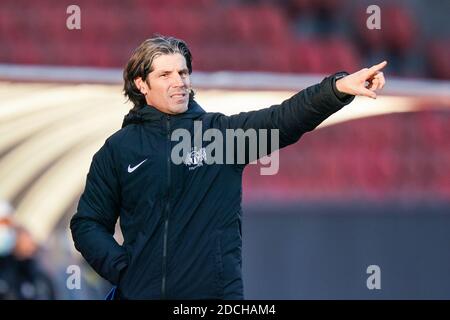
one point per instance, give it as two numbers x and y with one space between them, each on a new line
296 36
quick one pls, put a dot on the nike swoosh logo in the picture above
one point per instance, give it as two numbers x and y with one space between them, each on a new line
131 169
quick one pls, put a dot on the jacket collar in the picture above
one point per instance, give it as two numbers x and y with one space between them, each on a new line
150 113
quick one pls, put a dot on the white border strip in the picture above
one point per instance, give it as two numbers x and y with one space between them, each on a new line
214 80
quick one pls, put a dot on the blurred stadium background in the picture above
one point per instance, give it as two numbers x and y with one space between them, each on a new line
371 186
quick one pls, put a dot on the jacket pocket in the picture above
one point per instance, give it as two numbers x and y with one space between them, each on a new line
231 249
126 276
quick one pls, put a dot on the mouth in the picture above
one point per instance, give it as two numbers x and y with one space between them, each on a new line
178 95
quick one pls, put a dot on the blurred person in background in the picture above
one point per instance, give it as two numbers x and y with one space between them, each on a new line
182 223
21 277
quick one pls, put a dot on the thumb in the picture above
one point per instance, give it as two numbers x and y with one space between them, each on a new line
367 93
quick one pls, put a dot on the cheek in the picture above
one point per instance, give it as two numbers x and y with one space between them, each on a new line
162 92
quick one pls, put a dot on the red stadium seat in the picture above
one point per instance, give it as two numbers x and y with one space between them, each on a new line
262 27
256 24
400 29
369 39
438 53
345 55
305 57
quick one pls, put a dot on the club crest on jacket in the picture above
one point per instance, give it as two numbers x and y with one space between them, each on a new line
195 158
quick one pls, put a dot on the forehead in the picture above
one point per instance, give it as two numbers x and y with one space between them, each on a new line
169 62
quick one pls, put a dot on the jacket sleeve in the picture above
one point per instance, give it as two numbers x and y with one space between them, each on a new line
293 117
93 224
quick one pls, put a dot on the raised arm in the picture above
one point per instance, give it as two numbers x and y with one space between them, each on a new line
308 108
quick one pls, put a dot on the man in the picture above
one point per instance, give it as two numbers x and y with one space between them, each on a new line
21 276
182 227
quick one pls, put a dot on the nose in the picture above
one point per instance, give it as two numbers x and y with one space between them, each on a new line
178 81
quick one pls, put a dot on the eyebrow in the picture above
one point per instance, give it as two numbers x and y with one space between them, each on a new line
169 71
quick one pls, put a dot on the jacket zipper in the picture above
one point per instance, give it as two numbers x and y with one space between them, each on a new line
166 216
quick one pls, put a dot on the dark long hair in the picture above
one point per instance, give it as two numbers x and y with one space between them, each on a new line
140 65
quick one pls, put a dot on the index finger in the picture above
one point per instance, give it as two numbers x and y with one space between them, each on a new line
377 67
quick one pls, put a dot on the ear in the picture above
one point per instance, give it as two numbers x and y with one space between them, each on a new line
140 85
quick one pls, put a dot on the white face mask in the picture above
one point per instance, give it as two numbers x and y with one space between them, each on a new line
7 240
